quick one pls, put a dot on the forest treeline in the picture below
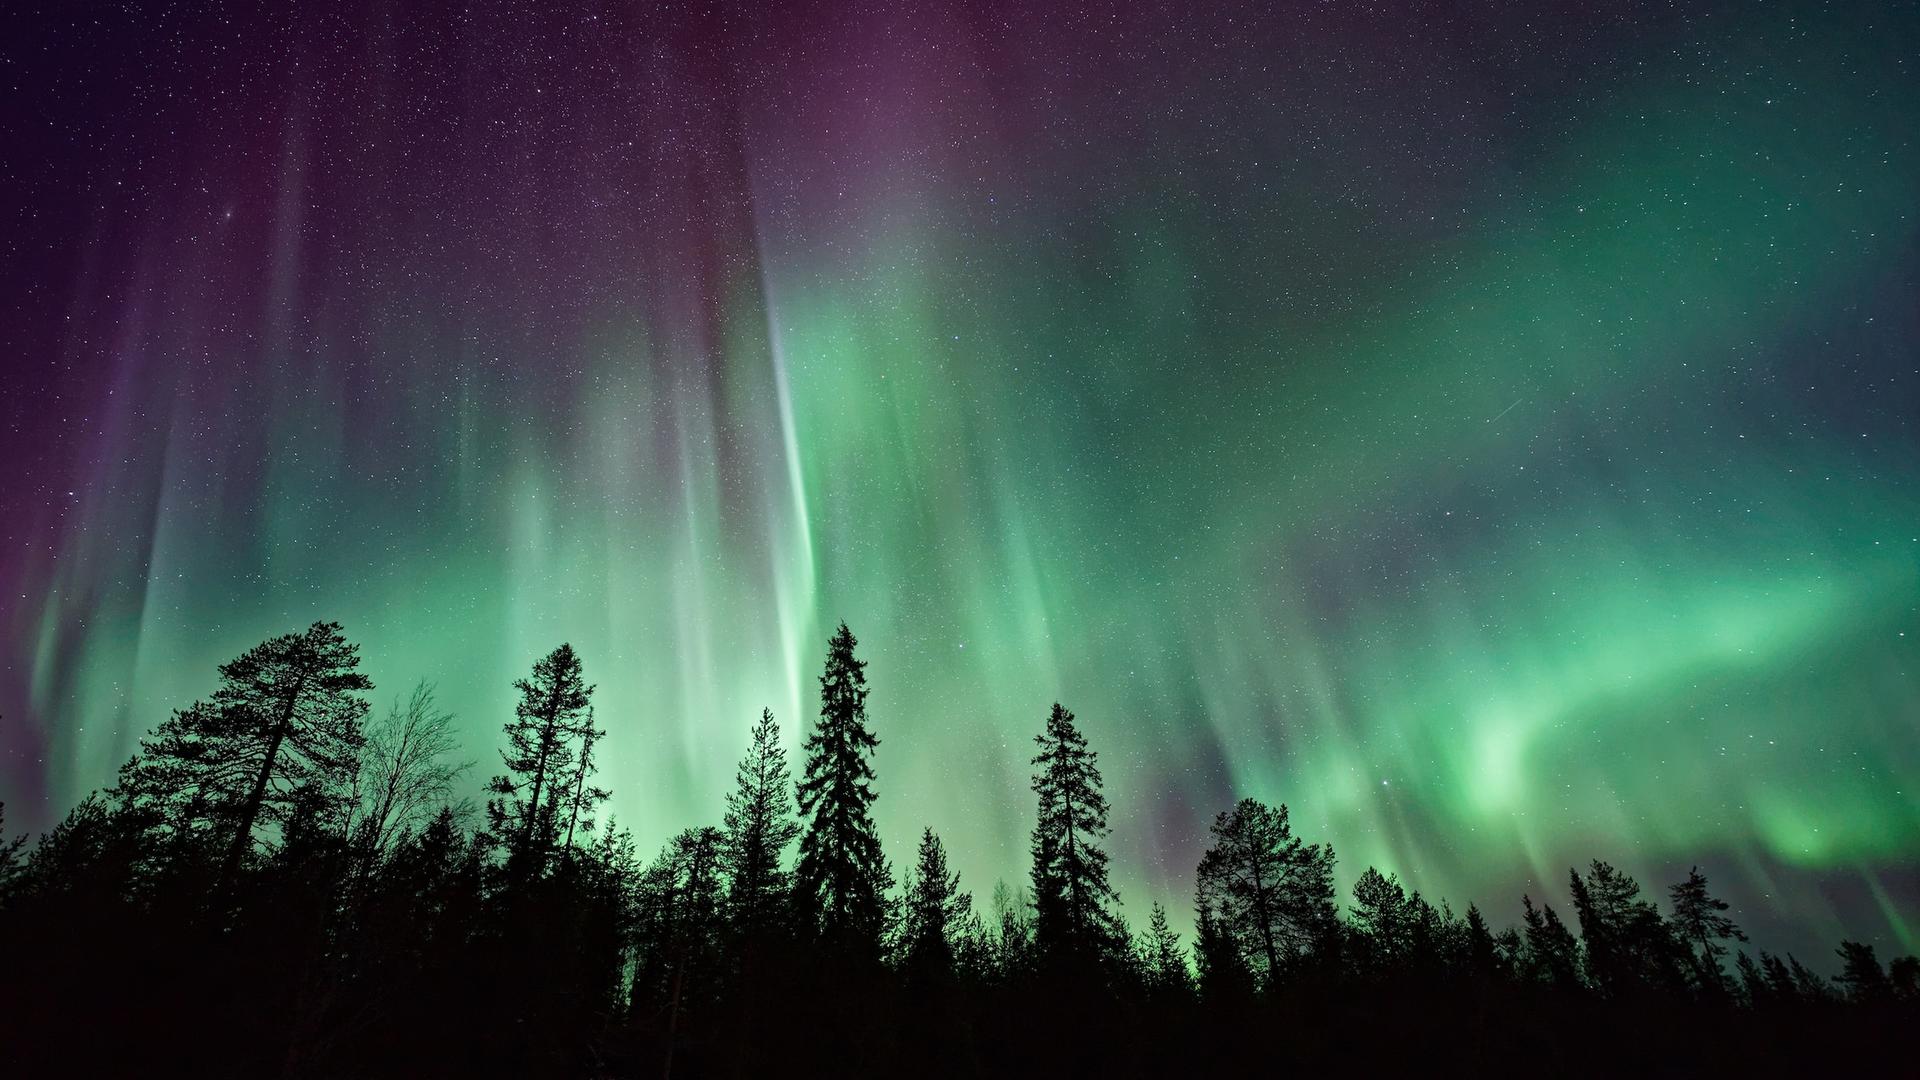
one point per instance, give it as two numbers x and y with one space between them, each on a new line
285 881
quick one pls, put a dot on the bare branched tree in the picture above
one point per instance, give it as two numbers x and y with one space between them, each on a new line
406 771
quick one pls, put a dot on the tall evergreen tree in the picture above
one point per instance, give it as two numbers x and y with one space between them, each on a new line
1699 923
1071 893
758 827
283 727
932 915
1268 891
841 879
540 755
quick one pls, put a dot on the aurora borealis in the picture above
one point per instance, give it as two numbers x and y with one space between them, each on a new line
1491 434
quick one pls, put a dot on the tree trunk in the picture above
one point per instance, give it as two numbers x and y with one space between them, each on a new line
1073 886
250 812
539 781
673 1019
1266 928
580 785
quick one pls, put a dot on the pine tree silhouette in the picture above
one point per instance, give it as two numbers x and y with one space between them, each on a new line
1699 923
1382 924
1628 946
1267 891
584 798
1862 978
539 756
284 726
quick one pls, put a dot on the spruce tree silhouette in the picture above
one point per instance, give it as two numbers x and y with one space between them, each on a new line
841 879
1073 923
1162 959
931 916
757 829
1482 954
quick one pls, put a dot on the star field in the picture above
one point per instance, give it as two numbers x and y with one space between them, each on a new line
1489 433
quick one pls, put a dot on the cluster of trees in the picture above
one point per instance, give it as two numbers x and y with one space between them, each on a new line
282 881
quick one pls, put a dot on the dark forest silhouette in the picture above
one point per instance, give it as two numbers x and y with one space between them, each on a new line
284 882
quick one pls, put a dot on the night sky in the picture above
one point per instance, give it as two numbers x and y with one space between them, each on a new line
1492 430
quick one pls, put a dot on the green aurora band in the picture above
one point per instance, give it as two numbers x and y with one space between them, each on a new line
1582 524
